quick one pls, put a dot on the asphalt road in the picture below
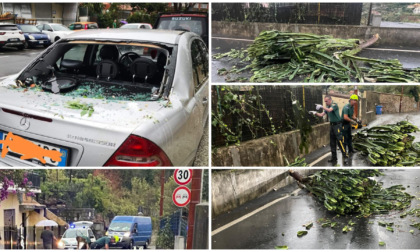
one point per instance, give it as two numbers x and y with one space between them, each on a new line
407 57
13 60
278 224
357 160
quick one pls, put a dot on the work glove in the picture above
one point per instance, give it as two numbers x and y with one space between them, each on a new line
319 106
353 122
358 121
312 112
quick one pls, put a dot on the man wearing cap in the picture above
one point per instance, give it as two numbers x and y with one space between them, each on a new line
104 242
335 128
349 118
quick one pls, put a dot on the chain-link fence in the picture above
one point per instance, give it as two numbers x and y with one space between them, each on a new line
304 13
317 13
278 100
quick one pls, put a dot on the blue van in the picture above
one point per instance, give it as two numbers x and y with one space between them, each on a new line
133 231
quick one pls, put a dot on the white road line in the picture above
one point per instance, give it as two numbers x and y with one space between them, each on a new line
319 159
220 229
392 50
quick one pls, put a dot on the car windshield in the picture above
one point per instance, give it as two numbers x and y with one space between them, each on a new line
129 26
73 233
120 226
8 28
60 28
29 28
192 24
102 70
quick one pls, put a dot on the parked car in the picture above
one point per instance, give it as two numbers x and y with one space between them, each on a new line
55 31
137 26
110 97
132 231
33 36
77 26
10 35
68 240
197 22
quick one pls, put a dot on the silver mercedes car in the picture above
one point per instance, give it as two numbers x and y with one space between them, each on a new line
109 97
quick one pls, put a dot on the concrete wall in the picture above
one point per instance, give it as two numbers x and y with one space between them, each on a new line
389 36
269 151
391 102
232 188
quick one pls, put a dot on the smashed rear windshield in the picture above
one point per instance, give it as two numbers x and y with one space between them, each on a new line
101 70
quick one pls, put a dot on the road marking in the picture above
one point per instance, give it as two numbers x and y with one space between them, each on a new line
391 50
220 229
249 40
4 56
319 159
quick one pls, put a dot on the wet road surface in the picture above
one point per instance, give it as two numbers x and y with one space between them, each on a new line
278 224
357 160
409 58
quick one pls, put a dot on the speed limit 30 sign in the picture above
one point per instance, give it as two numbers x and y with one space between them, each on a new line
181 196
183 176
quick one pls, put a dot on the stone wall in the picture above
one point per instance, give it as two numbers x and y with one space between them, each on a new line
406 37
269 151
391 102
232 188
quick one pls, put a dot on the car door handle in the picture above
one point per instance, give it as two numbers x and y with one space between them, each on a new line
205 100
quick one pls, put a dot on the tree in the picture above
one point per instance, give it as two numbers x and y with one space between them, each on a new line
10 178
149 7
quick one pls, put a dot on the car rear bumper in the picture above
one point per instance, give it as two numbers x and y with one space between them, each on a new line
39 42
12 44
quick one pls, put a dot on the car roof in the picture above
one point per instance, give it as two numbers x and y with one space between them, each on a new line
161 36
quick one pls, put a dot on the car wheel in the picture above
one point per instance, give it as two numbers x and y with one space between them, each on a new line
146 245
56 39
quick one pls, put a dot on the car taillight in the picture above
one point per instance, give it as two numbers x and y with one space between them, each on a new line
138 151
2 33
20 32
86 26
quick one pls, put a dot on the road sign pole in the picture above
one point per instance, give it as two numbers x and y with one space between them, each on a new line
180 221
195 199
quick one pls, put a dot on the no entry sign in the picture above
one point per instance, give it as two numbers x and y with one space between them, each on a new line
181 196
183 176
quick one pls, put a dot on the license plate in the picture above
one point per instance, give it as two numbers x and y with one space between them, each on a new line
41 42
49 162
13 39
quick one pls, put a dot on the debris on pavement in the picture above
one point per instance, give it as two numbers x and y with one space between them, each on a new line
277 56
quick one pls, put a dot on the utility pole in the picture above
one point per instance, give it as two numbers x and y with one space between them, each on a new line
370 14
162 190
356 107
401 97
195 199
